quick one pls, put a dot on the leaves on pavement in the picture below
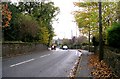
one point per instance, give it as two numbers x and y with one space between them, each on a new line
100 69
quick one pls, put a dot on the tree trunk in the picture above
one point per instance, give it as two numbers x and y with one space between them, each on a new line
100 33
89 38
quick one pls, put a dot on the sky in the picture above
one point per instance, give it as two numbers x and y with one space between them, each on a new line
65 27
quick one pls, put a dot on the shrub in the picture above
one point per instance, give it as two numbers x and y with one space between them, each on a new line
28 27
113 35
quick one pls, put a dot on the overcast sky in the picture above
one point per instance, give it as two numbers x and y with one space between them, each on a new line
65 27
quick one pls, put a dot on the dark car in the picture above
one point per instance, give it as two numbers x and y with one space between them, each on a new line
53 47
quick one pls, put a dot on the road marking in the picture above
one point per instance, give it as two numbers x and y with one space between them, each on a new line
21 62
80 54
44 55
76 53
48 54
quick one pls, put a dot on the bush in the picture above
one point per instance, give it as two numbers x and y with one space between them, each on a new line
28 27
113 35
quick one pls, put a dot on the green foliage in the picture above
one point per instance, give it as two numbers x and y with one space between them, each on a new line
118 11
28 27
75 42
44 35
44 14
88 18
113 36
31 21
11 33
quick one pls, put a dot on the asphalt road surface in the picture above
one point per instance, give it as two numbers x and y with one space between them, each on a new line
52 63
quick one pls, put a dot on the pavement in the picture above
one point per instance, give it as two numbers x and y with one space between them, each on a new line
84 70
53 63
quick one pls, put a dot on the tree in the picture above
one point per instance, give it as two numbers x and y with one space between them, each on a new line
6 15
87 19
107 17
118 11
28 27
42 14
11 33
81 39
91 9
100 33
50 13
113 35
44 35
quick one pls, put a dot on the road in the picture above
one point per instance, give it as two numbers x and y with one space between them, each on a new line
52 63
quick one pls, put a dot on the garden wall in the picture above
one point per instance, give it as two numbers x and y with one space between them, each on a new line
112 57
12 49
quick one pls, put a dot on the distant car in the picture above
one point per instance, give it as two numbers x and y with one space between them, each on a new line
53 47
64 47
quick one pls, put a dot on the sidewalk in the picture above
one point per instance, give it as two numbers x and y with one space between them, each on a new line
84 69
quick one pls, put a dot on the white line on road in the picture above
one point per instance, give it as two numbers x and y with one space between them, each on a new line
44 55
80 54
76 53
22 62
48 54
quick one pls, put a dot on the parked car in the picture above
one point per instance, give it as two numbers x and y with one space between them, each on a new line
65 47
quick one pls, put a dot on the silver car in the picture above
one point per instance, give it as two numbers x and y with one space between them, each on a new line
65 47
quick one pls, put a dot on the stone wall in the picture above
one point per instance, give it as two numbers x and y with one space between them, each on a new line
0 50
86 47
12 49
112 57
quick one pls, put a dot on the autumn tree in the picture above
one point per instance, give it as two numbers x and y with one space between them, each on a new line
6 15
11 33
89 17
90 11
